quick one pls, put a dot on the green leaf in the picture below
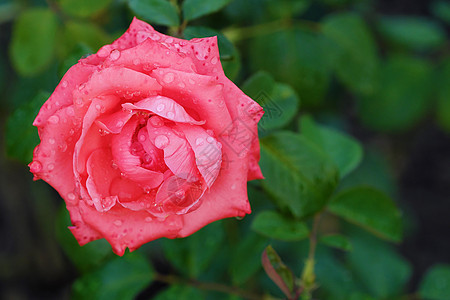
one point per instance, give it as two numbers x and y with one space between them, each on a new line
383 272
296 57
402 97
436 283
412 32
299 176
76 33
281 275
83 8
335 279
179 292
356 54
193 254
87 257
280 102
193 9
277 226
21 136
336 241
161 12
121 278
370 209
81 50
244 263
345 151
443 100
441 9
33 40
229 55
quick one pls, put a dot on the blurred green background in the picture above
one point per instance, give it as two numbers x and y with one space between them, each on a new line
357 99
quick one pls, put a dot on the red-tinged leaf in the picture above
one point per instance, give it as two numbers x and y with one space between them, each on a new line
280 274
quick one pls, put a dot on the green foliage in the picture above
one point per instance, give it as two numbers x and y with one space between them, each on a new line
371 209
441 9
297 57
160 12
342 149
21 135
83 8
192 255
443 100
436 283
120 278
193 9
33 38
381 270
179 292
355 56
413 32
336 241
280 102
299 176
277 226
229 56
402 97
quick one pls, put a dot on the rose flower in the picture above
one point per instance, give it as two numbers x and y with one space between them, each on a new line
147 138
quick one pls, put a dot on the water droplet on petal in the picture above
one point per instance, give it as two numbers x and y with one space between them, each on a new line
119 123
35 166
170 115
64 84
118 222
209 139
169 77
199 141
50 167
53 120
180 194
156 121
233 187
161 141
160 107
51 141
141 138
115 54
148 219
214 60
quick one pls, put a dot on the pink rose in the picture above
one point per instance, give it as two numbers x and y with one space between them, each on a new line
147 138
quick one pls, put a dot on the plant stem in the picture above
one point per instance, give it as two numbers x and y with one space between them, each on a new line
308 276
209 286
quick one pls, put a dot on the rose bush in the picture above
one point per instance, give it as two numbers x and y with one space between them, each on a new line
147 138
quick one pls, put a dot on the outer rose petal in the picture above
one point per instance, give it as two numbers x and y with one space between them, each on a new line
226 198
197 92
124 228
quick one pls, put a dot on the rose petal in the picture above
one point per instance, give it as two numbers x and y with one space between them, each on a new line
113 123
226 198
130 164
62 96
198 92
207 150
115 81
100 177
178 155
123 229
163 107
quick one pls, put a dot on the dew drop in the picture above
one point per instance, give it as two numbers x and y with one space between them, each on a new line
170 115
141 138
35 166
64 84
148 219
156 121
169 77
180 194
209 139
161 141
136 61
118 222
53 120
71 196
115 54
160 107
214 60
233 187
70 111
119 123
50 167
199 141
51 141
